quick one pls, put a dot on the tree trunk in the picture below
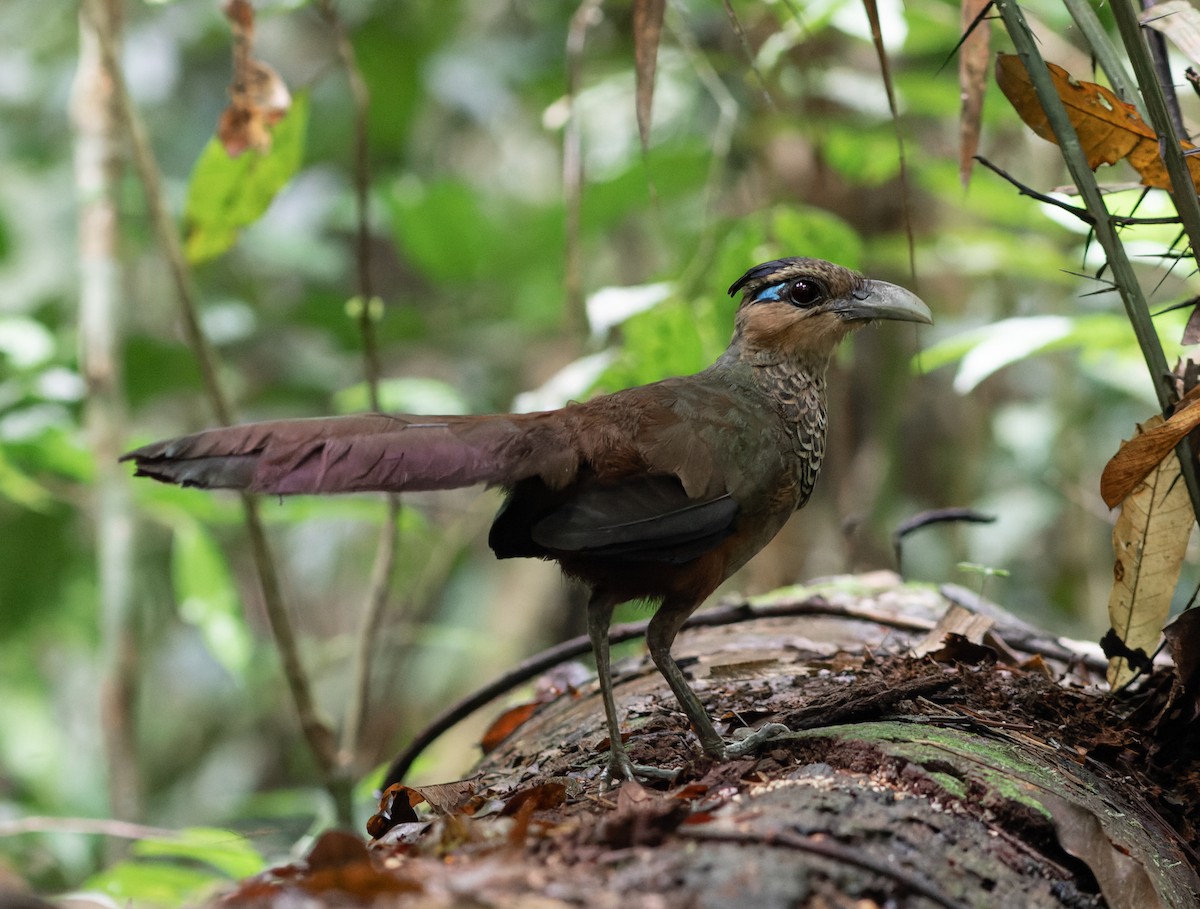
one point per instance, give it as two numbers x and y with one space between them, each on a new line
988 773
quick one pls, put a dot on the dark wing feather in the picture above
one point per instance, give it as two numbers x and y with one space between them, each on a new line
646 518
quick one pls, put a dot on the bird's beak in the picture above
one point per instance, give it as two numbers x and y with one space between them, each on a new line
880 300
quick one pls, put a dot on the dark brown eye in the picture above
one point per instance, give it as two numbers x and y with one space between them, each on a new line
803 292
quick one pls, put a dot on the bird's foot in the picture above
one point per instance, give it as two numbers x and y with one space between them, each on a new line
765 733
620 767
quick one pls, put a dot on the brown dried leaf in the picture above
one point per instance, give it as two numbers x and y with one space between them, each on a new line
1149 540
956 620
1150 447
506 724
1179 21
1109 129
1191 331
1183 637
973 56
647 32
258 96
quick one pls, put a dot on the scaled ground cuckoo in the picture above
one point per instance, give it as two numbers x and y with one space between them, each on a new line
659 492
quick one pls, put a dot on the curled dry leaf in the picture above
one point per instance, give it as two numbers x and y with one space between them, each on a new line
1179 21
1150 447
258 96
1109 129
1149 540
973 56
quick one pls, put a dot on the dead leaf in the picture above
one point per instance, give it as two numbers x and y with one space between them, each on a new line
1109 129
258 96
564 679
647 32
1179 21
1149 540
1183 638
338 864
1150 447
542 797
972 82
968 626
1191 331
506 724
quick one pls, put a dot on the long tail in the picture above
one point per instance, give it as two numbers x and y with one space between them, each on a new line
366 452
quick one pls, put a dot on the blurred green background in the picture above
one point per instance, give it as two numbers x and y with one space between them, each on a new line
795 155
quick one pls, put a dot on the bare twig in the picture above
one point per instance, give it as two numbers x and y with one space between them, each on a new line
384 567
1081 213
316 731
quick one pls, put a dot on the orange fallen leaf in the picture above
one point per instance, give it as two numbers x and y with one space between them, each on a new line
1108 128
1136 458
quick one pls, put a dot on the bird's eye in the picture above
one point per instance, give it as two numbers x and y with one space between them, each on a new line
803 292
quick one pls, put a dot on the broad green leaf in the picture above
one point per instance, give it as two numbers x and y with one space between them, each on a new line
983 351
226 851
142 884
208 598
226 194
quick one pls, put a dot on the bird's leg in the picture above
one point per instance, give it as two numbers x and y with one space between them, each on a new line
599 617
660 635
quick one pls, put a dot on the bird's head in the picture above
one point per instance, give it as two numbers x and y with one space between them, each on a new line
801 308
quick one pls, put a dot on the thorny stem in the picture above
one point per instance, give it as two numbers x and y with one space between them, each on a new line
1102 221
316 732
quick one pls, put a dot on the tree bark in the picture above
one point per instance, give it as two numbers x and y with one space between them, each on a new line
987 773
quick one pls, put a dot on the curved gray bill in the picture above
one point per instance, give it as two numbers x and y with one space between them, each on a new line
880 300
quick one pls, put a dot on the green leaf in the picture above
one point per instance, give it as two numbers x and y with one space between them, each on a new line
226 194
983 351
21 488
208 598
231 854
179 871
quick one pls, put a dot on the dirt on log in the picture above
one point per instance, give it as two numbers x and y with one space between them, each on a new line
943 754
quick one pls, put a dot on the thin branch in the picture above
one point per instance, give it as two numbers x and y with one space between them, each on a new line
384 567
1081 213
1105 52
317 734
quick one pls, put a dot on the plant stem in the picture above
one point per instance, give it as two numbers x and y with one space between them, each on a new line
1102 222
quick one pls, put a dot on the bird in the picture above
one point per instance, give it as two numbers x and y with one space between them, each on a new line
658 492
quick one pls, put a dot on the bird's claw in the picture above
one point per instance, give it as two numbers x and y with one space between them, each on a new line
765 733
620 767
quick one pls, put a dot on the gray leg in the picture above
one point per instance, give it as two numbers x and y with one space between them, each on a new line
599 617
659 637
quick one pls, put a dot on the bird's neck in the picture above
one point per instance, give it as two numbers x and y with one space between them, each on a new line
795 386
